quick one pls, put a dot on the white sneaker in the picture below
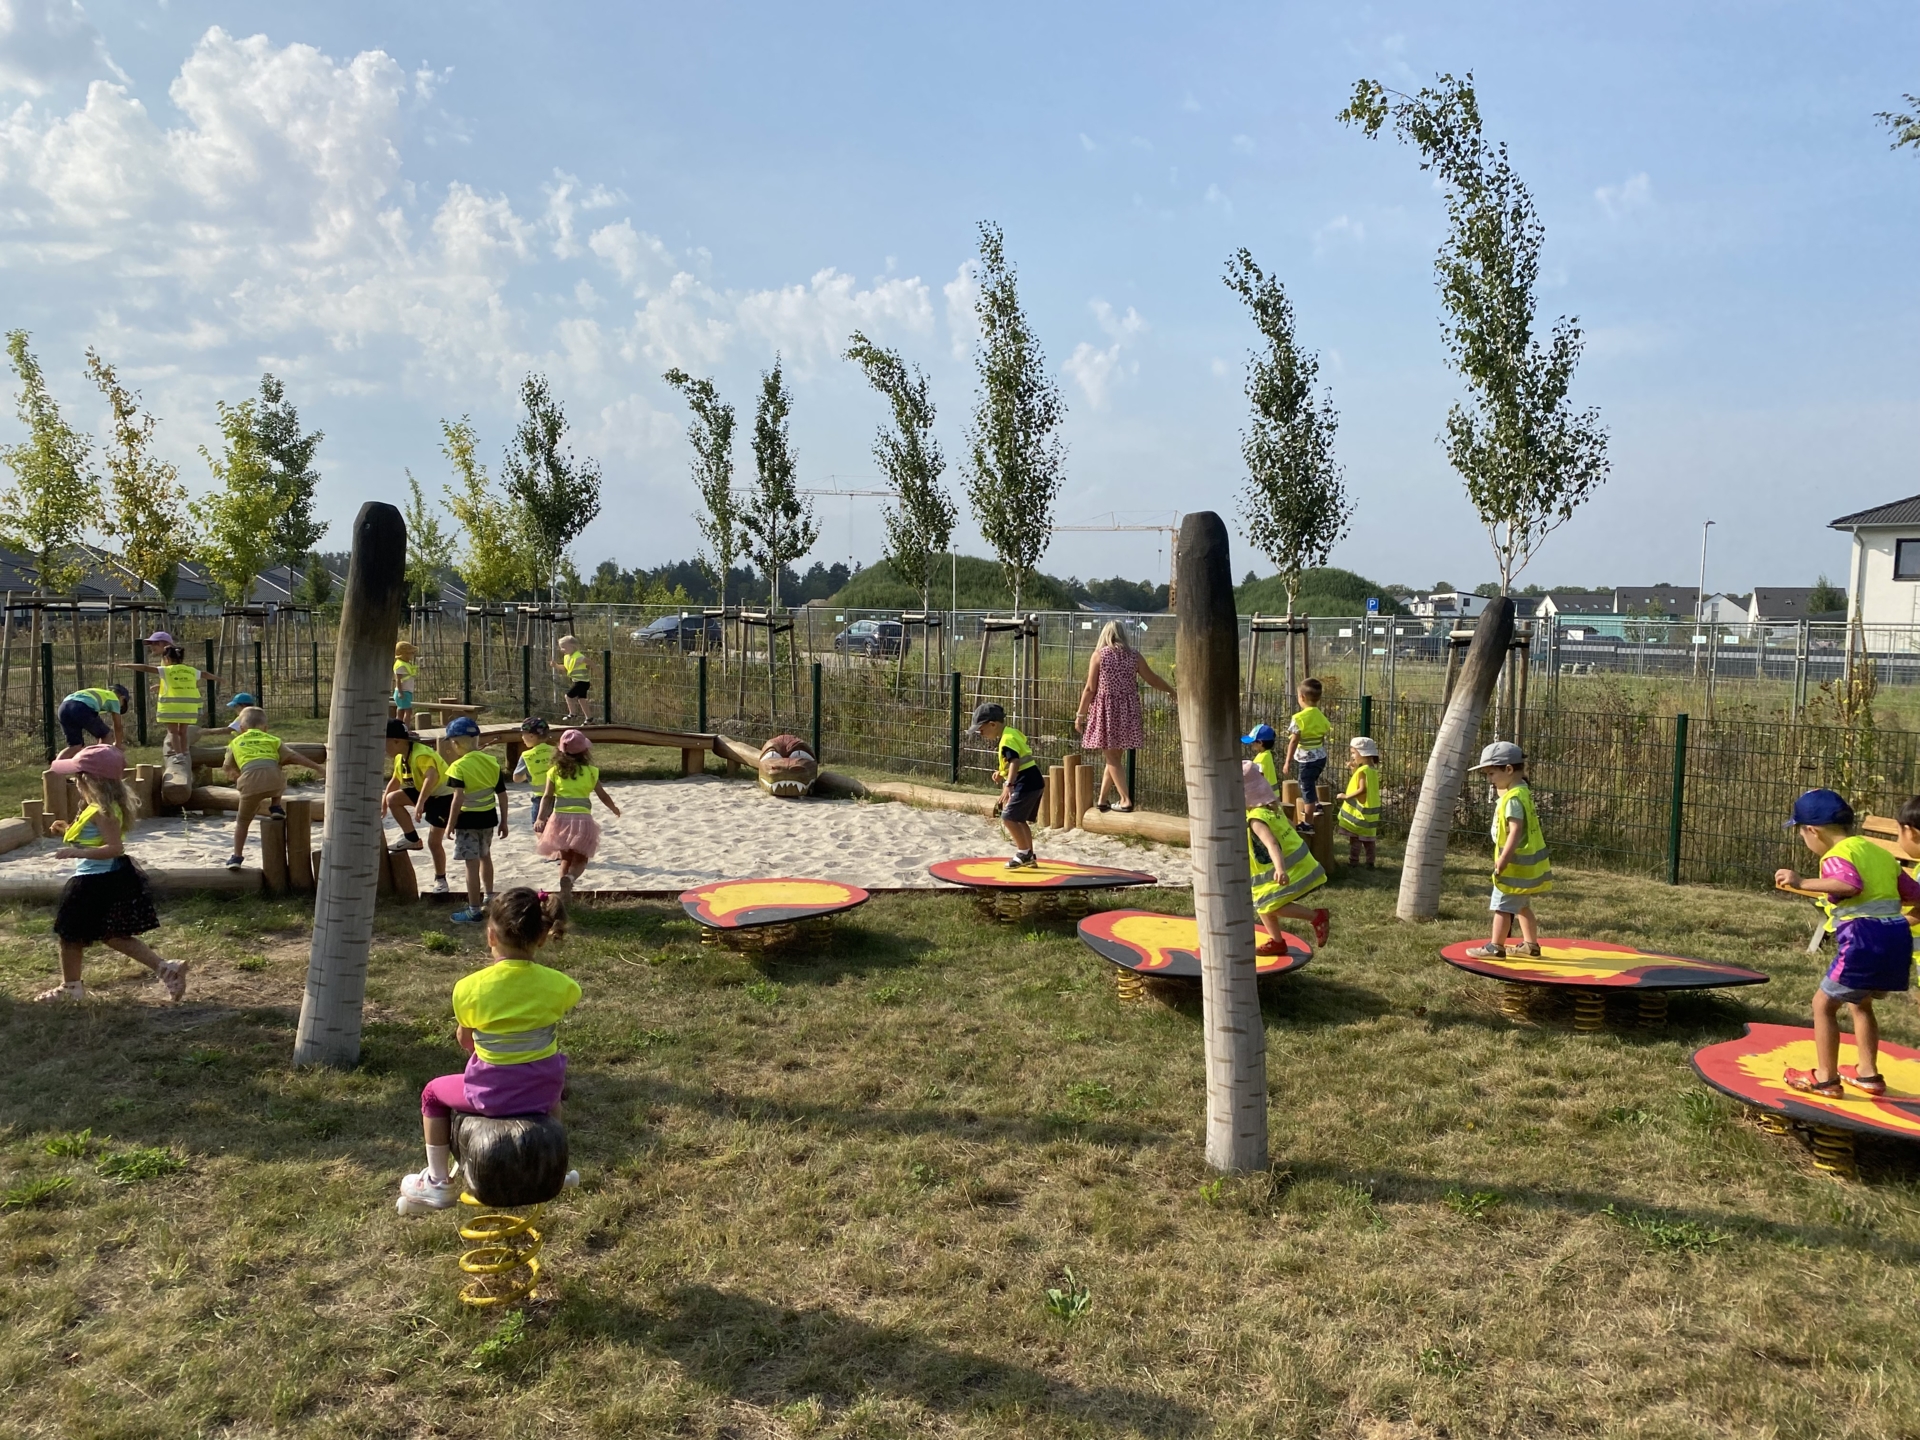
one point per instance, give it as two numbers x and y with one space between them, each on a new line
572 1180
418 1194
439 886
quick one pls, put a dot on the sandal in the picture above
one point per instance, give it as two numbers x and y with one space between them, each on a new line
1874 1085
66 990
173 975
1322 927
1807 1083
1270 947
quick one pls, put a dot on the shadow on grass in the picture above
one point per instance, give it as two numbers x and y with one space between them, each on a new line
773 1356
854 950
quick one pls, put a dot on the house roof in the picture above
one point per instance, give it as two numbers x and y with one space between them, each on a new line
1898 512
1672 599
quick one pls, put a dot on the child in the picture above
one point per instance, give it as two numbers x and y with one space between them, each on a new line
536 760
566 826
403 680
1278 886
1022 781
86 713
1360 802
1263 740
414 794
573 664
1908 817
1307 741
107 900
478 784
1873 945
178 706
507 1015
1521 869
252 762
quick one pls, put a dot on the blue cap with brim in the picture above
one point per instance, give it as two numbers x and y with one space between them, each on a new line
460 727
1262 734
241 701
1821 807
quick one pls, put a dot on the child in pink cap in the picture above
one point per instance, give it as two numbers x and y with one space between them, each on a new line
566 827
107 900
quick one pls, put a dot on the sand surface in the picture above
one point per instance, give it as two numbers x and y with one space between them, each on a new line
675 834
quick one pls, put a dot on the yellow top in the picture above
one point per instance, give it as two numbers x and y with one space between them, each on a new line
576 663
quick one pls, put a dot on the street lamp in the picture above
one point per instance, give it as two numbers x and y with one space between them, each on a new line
1700 595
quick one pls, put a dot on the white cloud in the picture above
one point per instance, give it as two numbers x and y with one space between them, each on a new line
1244 144
1216 196
811 322
963 319
1094 367
1086 143
1341 230
1630 195
45 41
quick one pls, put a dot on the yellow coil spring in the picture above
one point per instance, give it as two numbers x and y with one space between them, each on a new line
1589 1011
1772 1122
1516 1001
506 1262
1653 1009
1833 1152
1128 985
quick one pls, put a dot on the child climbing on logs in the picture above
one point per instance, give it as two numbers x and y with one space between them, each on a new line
403 680
566 827
253 762
1360 801
479 786
508 1015
573 665
414 795
1864 889
1307 741
107 900
1521 868
88 713
536 760
178 706
1282 865
1022 782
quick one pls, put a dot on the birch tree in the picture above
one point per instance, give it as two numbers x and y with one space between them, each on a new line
1015 457
711 435
777 521
492 555
558 495
919 524
146 505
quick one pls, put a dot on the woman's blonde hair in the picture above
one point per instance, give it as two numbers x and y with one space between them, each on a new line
1113 633
109 795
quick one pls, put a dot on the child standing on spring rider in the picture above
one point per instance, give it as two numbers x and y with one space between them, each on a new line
1521 868
1864 889
1022 782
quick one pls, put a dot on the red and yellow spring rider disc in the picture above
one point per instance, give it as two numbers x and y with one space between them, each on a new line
1590 968
989 872
744 904
1167 947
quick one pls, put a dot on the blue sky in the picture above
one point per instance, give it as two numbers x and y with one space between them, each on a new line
401 209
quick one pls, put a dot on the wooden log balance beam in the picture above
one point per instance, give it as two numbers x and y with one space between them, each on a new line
213 880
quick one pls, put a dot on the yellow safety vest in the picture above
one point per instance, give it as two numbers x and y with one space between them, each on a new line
251 745
1879 898
1269 764
539 762
575 796
576 664
478 772
1012 739
1297 873
179 702
1312 727
83 833
105 701
1530 872
401 671
1360 805
412 768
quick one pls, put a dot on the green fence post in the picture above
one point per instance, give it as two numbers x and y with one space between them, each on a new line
1678 802
466 672
139 690
1366 715
259 678
46 698
1132 794
213 692
816 712
700 724
316 679
526 679
953 730
606 685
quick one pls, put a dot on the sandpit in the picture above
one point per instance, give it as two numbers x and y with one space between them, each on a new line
677 834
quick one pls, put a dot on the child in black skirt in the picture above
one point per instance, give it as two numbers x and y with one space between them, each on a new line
107 900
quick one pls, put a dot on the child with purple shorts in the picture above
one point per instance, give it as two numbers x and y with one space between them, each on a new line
508 1015
1864 888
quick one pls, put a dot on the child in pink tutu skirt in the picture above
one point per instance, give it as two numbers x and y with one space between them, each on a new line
566 827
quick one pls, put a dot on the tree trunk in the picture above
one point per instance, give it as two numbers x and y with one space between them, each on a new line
1453 752
1207 664
329 1031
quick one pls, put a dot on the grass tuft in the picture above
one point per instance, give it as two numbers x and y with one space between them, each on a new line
438 942
1477 1205
1070 1300
131 1167
34 1192
69 1146
1659 1234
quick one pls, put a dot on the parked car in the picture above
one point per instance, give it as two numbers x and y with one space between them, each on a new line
873 638
683 630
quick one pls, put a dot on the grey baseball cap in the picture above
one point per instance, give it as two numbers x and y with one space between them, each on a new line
987 714
1500 752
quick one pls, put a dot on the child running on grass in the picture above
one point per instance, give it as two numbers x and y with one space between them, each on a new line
507 1014
1307 736
1521 868
1279 884
479 787
87 713
107 901
403 680
1360 801
573 665
178 706
252 762
415 796
566 826
1864 888
536 760
1022 781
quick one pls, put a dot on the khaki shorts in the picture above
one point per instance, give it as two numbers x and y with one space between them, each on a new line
263 777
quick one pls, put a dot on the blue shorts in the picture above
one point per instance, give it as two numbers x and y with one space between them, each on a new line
1846 994
1024 804
1505 904
78 720
1871 955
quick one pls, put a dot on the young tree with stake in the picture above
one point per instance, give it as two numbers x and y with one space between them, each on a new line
492 551
1528 458
1015 457
778 520
146 511
429 544
558 496
289 455
711 435
920 522
240 521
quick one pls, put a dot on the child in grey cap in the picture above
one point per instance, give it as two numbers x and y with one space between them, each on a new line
1521 869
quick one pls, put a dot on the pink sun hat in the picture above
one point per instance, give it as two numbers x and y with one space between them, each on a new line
575 742
103 762
159 637
1254 781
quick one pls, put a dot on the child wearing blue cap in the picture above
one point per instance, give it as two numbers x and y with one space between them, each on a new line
1263 739
1864 889
476 812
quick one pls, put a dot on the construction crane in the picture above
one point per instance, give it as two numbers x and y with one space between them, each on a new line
1172 532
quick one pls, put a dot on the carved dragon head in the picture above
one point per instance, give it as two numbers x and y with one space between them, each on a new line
787 767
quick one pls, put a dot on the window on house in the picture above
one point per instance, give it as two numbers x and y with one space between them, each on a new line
1906 559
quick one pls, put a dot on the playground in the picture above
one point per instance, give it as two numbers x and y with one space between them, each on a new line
841 1193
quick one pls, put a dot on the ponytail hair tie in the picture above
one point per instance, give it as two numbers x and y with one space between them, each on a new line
541 895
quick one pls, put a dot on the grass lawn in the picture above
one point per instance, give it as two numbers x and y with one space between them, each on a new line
831 1197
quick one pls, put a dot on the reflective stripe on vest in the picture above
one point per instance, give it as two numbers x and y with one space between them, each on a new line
517 1043
1879 897
1530 872
105 701
251 745
1302 873
1360 808
575 796
179 702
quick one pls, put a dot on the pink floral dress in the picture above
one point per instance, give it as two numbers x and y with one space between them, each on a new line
1113 719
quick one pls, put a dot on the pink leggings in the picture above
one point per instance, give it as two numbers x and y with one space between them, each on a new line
443 1096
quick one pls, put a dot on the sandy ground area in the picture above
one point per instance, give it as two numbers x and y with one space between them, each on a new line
674 834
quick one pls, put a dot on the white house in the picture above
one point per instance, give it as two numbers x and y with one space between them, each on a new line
1883 576
1447 605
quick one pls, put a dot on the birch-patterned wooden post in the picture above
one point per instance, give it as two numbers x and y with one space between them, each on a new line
1455 747
1207 669
350 857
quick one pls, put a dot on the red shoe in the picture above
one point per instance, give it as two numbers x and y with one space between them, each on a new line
1874 1085
1270 947
1805 1082
1321 928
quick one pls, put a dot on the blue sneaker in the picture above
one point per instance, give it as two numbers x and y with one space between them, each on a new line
467 917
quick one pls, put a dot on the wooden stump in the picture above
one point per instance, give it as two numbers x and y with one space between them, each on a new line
1085 786
406 880
1053 807
300 846
1070 806
692 761
273 854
